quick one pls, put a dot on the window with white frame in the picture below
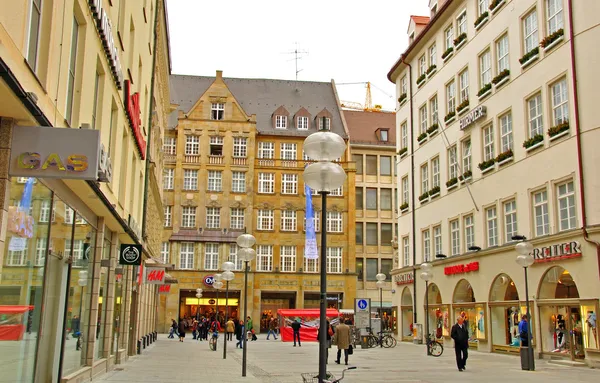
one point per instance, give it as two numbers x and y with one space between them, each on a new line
240 147
288 151
237 218
469 231
424 178
213 217
435 172
168 177
554 14
502 54
510 220
403 85
188 216
483 7
327 123
238 182
506 132
288 220
311 265
41 247
302 123
452 163
534 110
334 222
77 249
449 37
192 145
266 150
530 31
264 258
334 260
488 143
265 219
461 23
464 85
540 212
566 206
266 183
170 145
422 65
168 214
289 184
339 192
404 135
560 102
280 122
69 213
405 190
233 257
190 179
454 237
437 240
491 226
406 251
317 221
186 255
287 255
466 156
217 110
432 55
216 146
45 211
165 252
211 256
423 118
450 97
426 245
485 68
215 182
35 21
433 109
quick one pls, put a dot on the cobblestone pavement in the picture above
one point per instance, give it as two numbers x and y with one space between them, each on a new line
168 360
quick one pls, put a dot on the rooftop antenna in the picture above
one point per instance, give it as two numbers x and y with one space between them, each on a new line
297 56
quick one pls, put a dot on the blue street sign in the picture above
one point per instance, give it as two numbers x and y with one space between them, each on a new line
362 304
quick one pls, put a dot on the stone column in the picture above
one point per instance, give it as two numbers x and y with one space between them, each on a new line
109 320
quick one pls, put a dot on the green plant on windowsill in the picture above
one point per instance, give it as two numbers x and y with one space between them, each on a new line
424 196
404 206
434 190
533 140
450 116
466 175
402 98
431 69
535 51
501 76
552 38
462 105
486 164
494 4
481 17
447 53
460 38
451 182
504 155
485 88
402 151
422 136
433 128
558 129
421 78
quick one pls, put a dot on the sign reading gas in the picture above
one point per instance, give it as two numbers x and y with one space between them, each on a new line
72 163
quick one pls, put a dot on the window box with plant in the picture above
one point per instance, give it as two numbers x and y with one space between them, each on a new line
431 70
450 117
447 54
421 138
495 5
460 40
423 198
534 142
505 157
452 183
502 78
402 152
466 176
434 192
485 91
559 130
421 79
462 107
530 57
402 99
404 207
551 41
481 20
486 166
432 129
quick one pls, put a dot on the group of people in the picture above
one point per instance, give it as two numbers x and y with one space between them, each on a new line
200 328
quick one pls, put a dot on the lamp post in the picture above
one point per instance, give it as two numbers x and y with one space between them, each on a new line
246 254
217 285
380 284
324 176
227 276
525 259
426 275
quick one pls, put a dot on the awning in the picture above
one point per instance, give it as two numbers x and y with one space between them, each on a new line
15 309
169 279
306 312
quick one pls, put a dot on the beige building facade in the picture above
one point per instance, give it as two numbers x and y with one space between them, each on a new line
496 114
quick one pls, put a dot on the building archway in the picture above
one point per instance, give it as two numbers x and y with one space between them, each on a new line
505 314
438 314
407 314
558 283
463 305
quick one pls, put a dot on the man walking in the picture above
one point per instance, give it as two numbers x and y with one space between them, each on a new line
341 338
296 328
272 328
230 328
460 334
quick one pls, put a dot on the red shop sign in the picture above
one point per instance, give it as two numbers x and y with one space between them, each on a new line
132 106
461 269
164 289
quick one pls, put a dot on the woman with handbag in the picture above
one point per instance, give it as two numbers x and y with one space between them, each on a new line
329 334
342 339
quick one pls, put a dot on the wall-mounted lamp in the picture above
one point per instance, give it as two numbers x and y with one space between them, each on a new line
441 256
474 248
519 238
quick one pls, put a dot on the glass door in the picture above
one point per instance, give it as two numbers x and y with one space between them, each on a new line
576 332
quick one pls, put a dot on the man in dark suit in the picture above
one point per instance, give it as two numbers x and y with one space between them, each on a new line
460 334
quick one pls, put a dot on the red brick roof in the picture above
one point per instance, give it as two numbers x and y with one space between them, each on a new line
363 126
420 19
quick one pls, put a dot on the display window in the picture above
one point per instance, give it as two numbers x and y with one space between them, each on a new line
589 312
437 314
505 314
473 313
406 310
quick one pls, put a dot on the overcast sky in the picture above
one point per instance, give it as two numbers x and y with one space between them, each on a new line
346 40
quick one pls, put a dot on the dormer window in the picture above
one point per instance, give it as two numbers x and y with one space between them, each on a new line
383 135
216 146
217 109
281 122
302 123
327 123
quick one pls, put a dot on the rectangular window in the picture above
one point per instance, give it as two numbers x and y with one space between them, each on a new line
216 146
461 23
403 136
186 255
385 165
288 151
334 260
424 178
449 37
327 123
536 123
560 102
540 211
506 133
213 217
371 199
192 145
266 183
385 199
233 257
435 172
406 251
360 269
488 143
483 7
211 256
168 215
34 33
289 184
437 240
466 155
334 222
450 97
165 252
492 227
405 190
288 220
265 220
311 265
215 180
72 70
455 237
264 258
288 258
45 211
433 110
190 179
280 122
217 110
387 234
423 119
170 145
530 31
464 85
168 177
237 218
240 147
339 192
40 251
566 206
359 233
358 159
554 13
238 182
302 123
469 232
510 220
77 250
426 245
359 198
188 216
97 100
371 165
266 150
485 69
317 221
432 55
372 234
422 65
404 85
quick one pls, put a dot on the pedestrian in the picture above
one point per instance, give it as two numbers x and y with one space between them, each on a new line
250 327
460 334
173 330
230 328
195 328
272 328
523 331
341 338
329 333
182 324
240 332
296 329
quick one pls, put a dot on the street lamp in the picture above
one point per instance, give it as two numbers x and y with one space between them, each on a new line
198 295
217 285
246 254
324 176
227 276
525 259
426 275
380 285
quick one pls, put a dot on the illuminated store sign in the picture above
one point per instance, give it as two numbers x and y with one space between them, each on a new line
474 115
555 252
461 269
132 106
404 279
104 28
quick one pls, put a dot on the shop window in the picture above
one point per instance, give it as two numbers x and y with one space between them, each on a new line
505 314
406 313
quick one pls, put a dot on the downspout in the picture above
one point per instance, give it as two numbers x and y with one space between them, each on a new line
412 194
578 136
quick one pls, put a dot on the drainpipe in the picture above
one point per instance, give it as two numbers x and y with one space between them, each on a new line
412 194
578 136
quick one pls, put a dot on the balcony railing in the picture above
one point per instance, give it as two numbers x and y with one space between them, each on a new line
215 160
240 161
191 159
170 158
298 164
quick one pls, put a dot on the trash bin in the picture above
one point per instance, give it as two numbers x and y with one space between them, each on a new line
524 351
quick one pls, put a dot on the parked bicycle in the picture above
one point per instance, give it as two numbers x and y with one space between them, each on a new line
385 339
212 343
434 347
312 377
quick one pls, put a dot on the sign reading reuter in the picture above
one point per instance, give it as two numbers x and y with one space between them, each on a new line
555 252
404 279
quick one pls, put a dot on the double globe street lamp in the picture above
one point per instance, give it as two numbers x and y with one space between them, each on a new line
217 285
227 276
525 259
324 176
246 254
426 275
380 285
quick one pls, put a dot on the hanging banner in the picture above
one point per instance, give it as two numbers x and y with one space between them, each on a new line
130 255
310 245
20 223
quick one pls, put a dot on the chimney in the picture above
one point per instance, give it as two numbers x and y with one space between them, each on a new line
220 74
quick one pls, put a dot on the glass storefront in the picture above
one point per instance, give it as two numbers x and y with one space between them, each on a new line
438 314
406 310
102 299
473 313
505 314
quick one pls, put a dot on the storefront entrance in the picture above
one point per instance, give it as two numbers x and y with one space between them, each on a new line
407 314
270 302
505 313
438 315
192 307
463 304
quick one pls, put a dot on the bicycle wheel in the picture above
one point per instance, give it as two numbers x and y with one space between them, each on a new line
436 348
211 344
371 341
389 342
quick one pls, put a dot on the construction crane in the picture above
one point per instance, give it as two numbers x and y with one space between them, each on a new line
368 105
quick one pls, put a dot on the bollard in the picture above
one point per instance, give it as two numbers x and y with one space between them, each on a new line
139 347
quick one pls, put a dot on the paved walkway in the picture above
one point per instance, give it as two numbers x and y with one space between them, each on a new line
168 360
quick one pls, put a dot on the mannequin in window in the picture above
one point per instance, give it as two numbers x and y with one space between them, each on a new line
561 339
591 322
